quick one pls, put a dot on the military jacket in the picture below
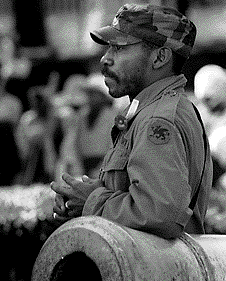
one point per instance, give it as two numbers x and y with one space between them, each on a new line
154 166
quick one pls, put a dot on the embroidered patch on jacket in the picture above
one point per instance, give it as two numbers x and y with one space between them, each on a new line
159 132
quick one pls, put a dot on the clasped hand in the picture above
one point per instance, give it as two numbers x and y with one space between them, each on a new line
71 197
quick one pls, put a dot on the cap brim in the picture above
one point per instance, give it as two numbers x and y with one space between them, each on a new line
109 34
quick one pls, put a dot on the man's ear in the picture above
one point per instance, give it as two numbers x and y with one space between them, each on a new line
162 56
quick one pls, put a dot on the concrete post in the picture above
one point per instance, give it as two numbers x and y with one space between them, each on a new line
93 247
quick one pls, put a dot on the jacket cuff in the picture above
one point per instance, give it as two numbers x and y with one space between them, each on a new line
95 202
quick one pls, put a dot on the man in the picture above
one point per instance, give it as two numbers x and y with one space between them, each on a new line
157 175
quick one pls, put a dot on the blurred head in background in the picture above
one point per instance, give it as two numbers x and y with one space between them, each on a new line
210 88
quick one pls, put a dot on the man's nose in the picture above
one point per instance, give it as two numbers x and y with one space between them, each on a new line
106 60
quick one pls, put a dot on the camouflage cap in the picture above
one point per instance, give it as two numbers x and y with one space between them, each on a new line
161 26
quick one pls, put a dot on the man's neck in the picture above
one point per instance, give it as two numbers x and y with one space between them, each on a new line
154 80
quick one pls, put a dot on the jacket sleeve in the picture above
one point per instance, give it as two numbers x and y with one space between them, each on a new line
158 197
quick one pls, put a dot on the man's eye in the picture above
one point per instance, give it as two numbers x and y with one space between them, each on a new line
118 47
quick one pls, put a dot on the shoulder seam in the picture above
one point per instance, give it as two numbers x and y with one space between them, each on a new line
167 106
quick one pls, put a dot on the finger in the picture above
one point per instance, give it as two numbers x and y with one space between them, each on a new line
54 186
70 204
78 178
60 202
74 184
71 180
73 204
60 218
68 179
62 190
86 179
59 211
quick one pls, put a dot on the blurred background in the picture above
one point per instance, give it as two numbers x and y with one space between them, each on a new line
56 114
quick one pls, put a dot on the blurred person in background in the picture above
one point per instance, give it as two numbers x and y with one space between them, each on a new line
210 92
86 112
37 135
15 67
10 113
69 104
157 175
93 140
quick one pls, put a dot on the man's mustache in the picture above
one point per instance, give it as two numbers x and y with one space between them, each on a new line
110 74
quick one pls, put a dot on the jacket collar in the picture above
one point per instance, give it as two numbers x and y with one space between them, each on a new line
156 90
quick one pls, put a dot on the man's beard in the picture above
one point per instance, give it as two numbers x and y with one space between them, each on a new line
131 87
